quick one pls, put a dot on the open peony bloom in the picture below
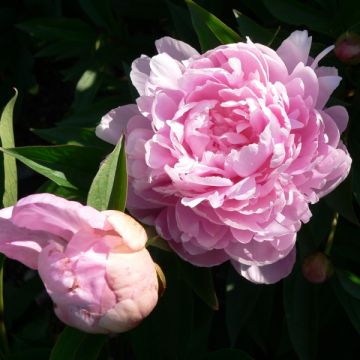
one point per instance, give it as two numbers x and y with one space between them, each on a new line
93 264
226 150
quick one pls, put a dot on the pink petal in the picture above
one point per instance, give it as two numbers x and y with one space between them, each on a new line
327 84
295 49
56 215
139 75
114 123
339 115
165 72
175 48
267 274
132 234
22 244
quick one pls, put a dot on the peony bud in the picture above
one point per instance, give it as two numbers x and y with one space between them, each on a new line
347 48
317 268
94 264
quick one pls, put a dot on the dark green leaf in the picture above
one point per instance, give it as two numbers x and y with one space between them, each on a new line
8 187
166 333
67 165
248 27
86 89
51 29
241 298
65 192
301 310
71 135
91 116
350 282
341 200
99 11
210 30
73 344
227 354
201 282
109 187
299 13
350 304
37 353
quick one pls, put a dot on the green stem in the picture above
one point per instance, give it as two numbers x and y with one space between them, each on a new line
3 337
330 239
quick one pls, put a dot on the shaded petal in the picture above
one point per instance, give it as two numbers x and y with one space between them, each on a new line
267 274
339 115
139 74
114 123
175 48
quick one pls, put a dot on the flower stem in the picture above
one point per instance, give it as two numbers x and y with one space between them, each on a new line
3 337
330 240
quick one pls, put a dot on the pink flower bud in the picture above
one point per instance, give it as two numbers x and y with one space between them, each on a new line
347 48
94 264
317 268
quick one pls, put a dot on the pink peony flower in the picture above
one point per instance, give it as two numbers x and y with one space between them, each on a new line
93 264
226 150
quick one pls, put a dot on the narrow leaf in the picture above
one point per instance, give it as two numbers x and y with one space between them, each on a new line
67 165
109 187
210 30
9 193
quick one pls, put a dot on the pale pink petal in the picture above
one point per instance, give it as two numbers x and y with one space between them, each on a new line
114 123
132 234
165 72
327 85
295 49
139 75
267 274
339 115
22 244
175 48
56 215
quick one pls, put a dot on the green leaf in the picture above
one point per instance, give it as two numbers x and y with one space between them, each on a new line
72 135
350 304
99 11
86 89
227 354
210 30
67 165
109 187
65 192
73 344
201 282
8 189
301 311
299 13
350 282
248 27
241 299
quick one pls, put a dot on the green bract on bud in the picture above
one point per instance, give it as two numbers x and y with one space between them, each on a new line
347 48
317 268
